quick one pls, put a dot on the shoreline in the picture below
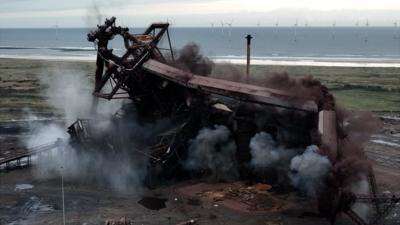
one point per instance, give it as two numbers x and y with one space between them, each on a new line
256 61
309 63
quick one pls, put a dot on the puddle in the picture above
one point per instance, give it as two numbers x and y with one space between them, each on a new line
153 203
31 207
21 187
36 205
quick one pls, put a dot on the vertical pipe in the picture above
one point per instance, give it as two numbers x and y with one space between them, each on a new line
248 37
62 190
170 46
98 76
327 129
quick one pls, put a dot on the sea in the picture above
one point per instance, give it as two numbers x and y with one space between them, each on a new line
310 46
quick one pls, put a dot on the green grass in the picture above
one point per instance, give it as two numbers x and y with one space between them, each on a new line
386 78
365 89
22 94
364 99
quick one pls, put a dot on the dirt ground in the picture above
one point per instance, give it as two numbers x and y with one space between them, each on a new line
26 199
87 204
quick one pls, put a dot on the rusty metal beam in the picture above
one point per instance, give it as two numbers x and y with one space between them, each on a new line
243 92
355 217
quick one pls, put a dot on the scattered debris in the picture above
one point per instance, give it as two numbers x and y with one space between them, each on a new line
237 196
122 221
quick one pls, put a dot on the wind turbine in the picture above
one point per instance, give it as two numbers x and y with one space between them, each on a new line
357 26
305 29
230 28
333 30
395 30
366 31
56 26
222 27
212 27
276 28
295 30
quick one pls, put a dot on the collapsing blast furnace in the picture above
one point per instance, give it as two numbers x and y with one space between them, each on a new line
184 108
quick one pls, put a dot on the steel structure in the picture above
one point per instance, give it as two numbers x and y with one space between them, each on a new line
158 89
15 159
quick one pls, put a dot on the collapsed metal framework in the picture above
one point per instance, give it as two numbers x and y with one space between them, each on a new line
158 89
142 53
22 157
382 204
138 49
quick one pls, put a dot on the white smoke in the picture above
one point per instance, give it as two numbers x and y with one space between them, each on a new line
309 170
119 172
46 134
266 153
213 150
69 91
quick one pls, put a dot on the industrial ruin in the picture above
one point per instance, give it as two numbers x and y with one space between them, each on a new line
182 101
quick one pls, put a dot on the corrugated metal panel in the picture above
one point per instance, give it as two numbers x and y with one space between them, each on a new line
244 92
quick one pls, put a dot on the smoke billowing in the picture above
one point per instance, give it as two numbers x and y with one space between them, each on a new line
118 172
228 71
213 150
190 59
267 154
308 171
354 130
69 91
306 87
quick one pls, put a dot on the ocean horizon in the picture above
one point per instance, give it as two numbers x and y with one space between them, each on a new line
308 46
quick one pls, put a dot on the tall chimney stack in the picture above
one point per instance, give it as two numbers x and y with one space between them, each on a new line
248 37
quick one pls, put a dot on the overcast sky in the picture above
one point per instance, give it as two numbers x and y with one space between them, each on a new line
85 13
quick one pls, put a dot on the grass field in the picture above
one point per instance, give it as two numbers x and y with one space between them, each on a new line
366 89
363 89
21 92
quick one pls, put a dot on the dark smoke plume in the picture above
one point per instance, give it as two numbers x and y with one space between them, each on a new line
229 72
190 59
354 130
306 87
